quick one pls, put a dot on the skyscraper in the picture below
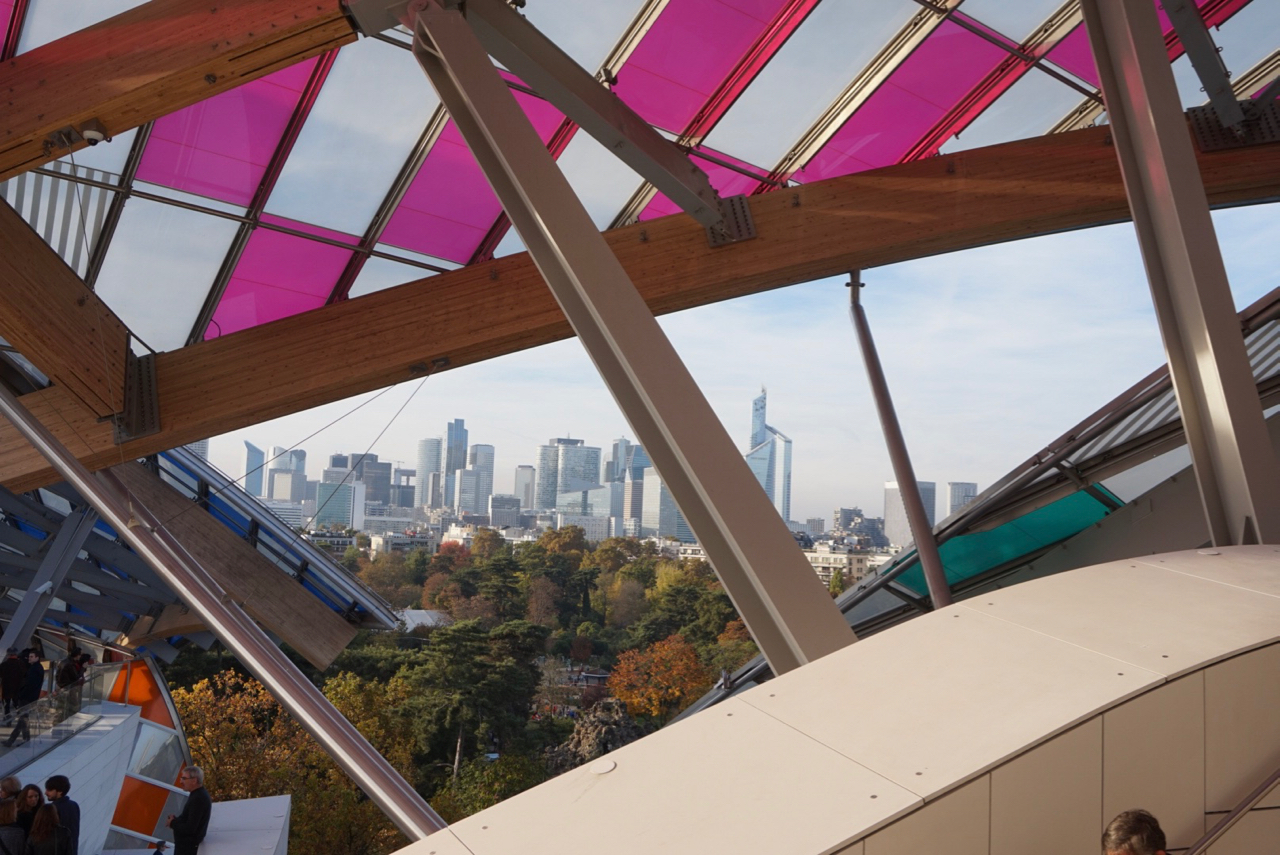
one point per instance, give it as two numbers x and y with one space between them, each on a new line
526 479
769 456
429 460
480 459
564 464
660 516
253 461
961 494
200 448
455 455
896 527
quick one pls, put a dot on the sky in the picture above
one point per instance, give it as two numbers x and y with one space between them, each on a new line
990 354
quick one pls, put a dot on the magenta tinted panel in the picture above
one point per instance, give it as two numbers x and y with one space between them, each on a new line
449 207
220 148
1074 54
941 71
6 12
279 275
728 182
687 53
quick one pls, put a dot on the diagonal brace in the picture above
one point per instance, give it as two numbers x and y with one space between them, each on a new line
53 569
1206 60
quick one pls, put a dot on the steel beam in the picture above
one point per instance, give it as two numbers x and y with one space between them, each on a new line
908 487
540 63
783 604
228 621
1206 60
61 552
1235 464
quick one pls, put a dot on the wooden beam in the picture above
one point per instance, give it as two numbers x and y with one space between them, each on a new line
150 61
270 597
979 197
53 319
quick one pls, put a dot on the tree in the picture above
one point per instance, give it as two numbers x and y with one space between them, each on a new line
836 586
661 680
351 559
483 783
542 602
487 543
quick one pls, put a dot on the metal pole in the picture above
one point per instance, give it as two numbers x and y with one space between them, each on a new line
784 605
1235 464
49 576
921 532
228 621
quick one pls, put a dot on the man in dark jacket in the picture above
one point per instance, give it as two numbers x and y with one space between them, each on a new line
32 685
56 789
190 826
12 670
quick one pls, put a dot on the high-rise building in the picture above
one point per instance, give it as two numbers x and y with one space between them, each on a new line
896 527
843 519
564 464
615 469
633 497
376 475
660 516
480 458
253 461
200 448
504 510
961 494
287 486
815 525
466 486
455 455
340 504
298 461
769 456
526 480
339 461
430 460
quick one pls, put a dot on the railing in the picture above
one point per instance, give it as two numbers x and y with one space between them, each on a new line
1236 814
53 719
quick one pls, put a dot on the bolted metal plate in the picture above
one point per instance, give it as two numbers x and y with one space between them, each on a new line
1262 125
141 416
738 225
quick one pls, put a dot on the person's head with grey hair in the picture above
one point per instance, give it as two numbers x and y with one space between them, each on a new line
192 778
1134 832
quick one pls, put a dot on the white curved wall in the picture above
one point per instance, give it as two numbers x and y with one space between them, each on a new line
1019 721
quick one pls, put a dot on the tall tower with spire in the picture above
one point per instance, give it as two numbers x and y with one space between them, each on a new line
769 456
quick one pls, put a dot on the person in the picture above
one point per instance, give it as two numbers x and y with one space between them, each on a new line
13 839
1134 832
190 826
10 786
30 800
47 837
32 684
12 670
56 789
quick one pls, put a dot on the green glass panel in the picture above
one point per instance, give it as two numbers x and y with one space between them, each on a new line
972 554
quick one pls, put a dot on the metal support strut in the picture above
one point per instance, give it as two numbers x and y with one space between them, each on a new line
781 600
1235 465
908 488
186 578
63 547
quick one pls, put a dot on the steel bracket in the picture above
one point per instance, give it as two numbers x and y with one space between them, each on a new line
1261 125
141 415
736 223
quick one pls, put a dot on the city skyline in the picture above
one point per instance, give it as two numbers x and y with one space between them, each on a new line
998 324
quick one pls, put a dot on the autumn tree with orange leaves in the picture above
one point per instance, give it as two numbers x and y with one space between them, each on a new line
660 680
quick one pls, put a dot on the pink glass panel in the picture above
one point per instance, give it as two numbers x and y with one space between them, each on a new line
6 12
727 182
280 275
1075 55
220 147
687 54
943 69
449 207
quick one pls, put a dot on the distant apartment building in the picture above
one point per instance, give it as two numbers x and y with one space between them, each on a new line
960 493
828 559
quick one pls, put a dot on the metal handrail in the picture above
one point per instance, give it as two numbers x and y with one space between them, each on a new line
1237 813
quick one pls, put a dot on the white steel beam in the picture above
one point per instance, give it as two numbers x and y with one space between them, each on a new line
54 566
780 598
554 75
1235 465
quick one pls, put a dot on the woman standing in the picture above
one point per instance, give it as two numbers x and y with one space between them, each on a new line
12 837
30 800
47 837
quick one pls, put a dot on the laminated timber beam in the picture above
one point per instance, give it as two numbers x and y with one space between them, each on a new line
282 605
53 319
150 61
869 219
